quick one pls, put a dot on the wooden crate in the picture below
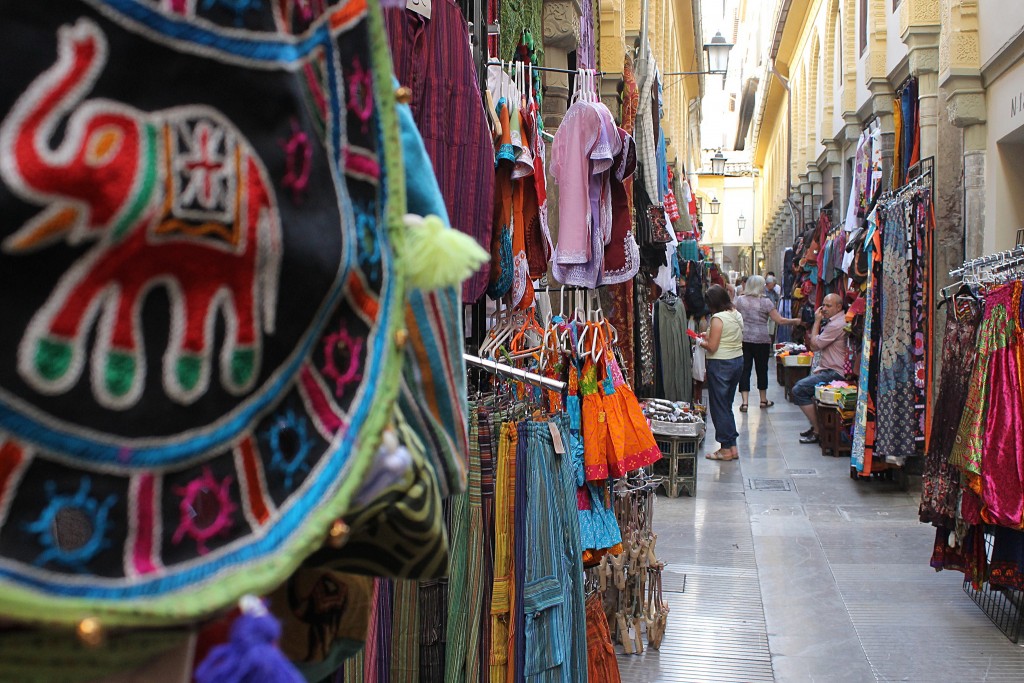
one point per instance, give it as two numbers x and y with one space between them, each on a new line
833 430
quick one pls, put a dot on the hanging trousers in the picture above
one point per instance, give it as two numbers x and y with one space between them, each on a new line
503 595
465 601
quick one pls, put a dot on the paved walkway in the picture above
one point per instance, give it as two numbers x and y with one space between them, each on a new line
824 580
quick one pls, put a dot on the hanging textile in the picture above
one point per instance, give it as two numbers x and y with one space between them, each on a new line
582 157
447 109
519 19
675 357
862 449
941 480
895 426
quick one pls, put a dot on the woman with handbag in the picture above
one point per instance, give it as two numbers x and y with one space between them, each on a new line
757 310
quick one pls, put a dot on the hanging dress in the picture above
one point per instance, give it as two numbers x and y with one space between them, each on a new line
640 449
940 483
502 266
1002 489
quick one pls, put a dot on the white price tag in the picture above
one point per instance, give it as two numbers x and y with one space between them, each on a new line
421 7
556 438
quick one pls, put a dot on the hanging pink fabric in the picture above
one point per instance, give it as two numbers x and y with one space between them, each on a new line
1002 479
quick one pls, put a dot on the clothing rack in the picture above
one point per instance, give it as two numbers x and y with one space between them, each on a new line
990 259
911 186
514 373
550 69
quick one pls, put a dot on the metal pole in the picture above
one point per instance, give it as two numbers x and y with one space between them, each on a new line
643 29
508 370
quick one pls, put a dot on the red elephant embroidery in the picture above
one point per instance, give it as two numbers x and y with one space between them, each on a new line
175 199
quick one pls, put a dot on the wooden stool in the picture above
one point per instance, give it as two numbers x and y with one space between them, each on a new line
832 430
678 465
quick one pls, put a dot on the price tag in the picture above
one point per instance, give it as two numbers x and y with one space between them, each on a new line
421 7
556 438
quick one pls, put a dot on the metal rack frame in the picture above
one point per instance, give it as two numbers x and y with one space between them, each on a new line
1003 606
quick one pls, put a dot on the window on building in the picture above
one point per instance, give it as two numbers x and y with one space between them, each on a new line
863 26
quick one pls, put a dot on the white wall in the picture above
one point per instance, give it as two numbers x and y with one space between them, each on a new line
1004 161
895 48
999 22
738 200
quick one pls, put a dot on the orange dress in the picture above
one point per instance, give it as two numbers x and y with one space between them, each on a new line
595 425
639 448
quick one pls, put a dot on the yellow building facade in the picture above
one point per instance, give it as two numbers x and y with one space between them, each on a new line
830 68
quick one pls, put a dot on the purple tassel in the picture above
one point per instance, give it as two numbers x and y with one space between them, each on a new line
251 655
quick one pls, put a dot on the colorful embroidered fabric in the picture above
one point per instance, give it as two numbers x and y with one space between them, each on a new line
200 351
864 424
968 449
1002 488
896 424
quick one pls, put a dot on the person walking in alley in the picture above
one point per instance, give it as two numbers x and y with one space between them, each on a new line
757 310
724 345
827 338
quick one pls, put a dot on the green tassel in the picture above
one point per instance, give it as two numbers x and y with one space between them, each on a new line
439 256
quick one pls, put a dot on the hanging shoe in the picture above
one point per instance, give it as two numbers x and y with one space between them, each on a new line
638 639
623 633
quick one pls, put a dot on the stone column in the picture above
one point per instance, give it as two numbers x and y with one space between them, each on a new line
960 81
815 180
805 198
561 36
611 51
834 164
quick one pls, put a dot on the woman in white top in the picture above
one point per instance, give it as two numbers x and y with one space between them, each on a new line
724 344
757 309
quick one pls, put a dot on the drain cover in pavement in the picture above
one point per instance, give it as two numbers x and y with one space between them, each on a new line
802 473
769 484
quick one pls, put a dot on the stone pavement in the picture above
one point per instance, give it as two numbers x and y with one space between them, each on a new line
818 578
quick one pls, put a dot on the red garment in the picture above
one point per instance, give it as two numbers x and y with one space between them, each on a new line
621 255
430 57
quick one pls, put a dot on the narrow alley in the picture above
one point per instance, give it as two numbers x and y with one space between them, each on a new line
783 568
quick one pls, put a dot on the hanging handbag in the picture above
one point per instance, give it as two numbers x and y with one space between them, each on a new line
659 224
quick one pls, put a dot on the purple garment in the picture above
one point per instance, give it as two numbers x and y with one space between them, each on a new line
574 142
585 52
431 58
582 156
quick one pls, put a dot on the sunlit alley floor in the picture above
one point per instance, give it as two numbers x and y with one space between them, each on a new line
827 580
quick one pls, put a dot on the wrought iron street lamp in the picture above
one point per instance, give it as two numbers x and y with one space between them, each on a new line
718 163
717 52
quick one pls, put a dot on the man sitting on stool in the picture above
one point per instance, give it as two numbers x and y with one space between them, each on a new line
827 339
